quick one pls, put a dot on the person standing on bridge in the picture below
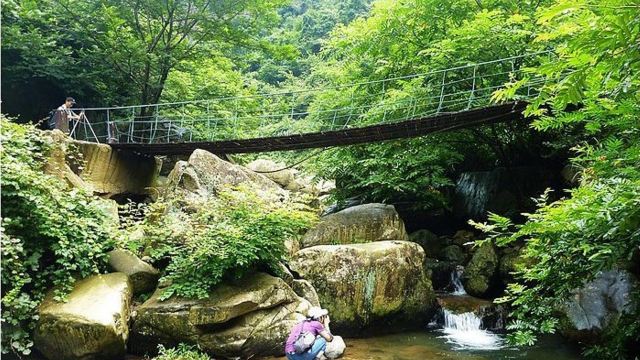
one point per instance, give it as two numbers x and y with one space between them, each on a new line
62 115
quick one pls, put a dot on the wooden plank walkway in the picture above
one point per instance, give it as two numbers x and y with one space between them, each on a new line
367 134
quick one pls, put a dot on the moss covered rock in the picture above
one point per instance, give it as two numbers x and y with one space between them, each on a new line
511 261
373 286
247 318
143 276
479 274
430 242
357 224
463 237
453 253
92 324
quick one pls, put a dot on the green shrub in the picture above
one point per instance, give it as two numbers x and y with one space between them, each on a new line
50 235
393 171
225 237
182 352
570 240
597 227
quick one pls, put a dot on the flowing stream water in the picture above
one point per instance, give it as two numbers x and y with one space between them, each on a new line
456 281
429 345
460 336
463 331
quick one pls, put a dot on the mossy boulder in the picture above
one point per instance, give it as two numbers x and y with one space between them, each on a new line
91 324
142 275
479 274
453 253
430 242
357 224
242 319
511 261
375 286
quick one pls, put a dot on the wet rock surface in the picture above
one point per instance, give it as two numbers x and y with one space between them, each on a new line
598 305
479 273
505 191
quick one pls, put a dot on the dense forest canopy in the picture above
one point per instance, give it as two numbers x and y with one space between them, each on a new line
587 115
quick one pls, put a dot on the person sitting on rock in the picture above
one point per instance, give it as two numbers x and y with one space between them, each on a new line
316 327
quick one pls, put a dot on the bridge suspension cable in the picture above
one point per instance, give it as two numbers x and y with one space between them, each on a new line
317 110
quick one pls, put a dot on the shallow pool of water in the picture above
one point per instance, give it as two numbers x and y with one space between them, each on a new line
433 345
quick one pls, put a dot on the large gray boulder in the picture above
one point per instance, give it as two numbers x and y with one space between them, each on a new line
272 170
204 175
357 224
305 290
143 276
247 318
479 274
381 285
92 324
598 305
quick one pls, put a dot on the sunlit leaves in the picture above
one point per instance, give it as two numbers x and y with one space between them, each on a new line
50 235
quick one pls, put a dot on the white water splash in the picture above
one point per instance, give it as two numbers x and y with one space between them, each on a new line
464 332
458 289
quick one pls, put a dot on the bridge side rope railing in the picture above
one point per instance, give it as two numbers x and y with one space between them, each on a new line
319 109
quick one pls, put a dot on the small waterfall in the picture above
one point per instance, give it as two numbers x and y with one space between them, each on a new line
462 322
456 284
473 191
464 332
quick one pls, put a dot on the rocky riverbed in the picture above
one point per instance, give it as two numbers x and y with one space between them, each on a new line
378 282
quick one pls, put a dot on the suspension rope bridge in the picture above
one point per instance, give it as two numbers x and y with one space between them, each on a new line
391 108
